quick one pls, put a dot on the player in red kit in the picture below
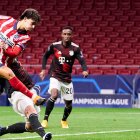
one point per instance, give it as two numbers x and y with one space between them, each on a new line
13 38
65 52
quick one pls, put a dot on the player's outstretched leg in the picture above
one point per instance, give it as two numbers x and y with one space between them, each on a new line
48 136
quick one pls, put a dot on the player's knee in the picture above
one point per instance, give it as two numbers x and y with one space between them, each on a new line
30 110
68 104
54 94
10 74
29 127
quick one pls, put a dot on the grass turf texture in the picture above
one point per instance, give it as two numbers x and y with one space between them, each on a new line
84 123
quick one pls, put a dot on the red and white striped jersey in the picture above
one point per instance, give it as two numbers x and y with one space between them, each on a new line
11 36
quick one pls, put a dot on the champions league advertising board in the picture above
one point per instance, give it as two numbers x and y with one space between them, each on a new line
99 101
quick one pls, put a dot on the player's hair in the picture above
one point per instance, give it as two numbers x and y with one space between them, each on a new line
67 27
30 14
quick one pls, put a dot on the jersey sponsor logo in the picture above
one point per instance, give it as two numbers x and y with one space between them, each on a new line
71 53
61 60
7 40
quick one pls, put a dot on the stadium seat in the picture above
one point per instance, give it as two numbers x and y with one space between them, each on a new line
126 35
99 34
95 71
38 50
28 55
128 23
109 18
124 71
89 61
117 51
99 61
137 61
102 23
127 61
104 12
56 18
120 29
90 12
103 50
75 23
108 56
78 12
106 29
112 45
118 40
132 39
136 56
99 45
112 34
130 51
96 18
32 61
105 39
81 29
60 7
93 29
115 23
125 45
89 24
117 12
52 13
133 70
113 61
122 56
83 18
4 2
109 71
92 51
129 13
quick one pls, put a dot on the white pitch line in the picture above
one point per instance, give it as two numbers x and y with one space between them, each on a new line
76 134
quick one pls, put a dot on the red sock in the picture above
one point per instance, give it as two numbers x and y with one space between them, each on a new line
18 85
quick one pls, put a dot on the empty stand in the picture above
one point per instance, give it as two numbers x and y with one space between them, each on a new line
108 32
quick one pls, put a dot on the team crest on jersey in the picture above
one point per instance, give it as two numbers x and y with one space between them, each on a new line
16 36
71 53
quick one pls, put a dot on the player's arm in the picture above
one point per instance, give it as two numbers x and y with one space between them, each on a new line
46 55
16 49
80 57
13 51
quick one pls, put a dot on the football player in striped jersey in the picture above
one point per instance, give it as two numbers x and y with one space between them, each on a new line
13 39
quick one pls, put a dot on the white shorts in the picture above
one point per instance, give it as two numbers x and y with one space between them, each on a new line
20 101
66 89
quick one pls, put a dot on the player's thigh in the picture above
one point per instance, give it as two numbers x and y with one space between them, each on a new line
21 103
67 91
54 84
6 72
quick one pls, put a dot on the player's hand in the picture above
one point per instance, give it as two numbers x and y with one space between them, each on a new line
42 74
3 45
85 74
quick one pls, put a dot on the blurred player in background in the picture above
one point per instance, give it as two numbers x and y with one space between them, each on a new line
24 106
65 52
13 37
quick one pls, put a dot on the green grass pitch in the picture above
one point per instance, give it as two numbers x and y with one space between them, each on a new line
84 123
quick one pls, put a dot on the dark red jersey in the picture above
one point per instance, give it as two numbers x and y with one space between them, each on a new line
63 60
